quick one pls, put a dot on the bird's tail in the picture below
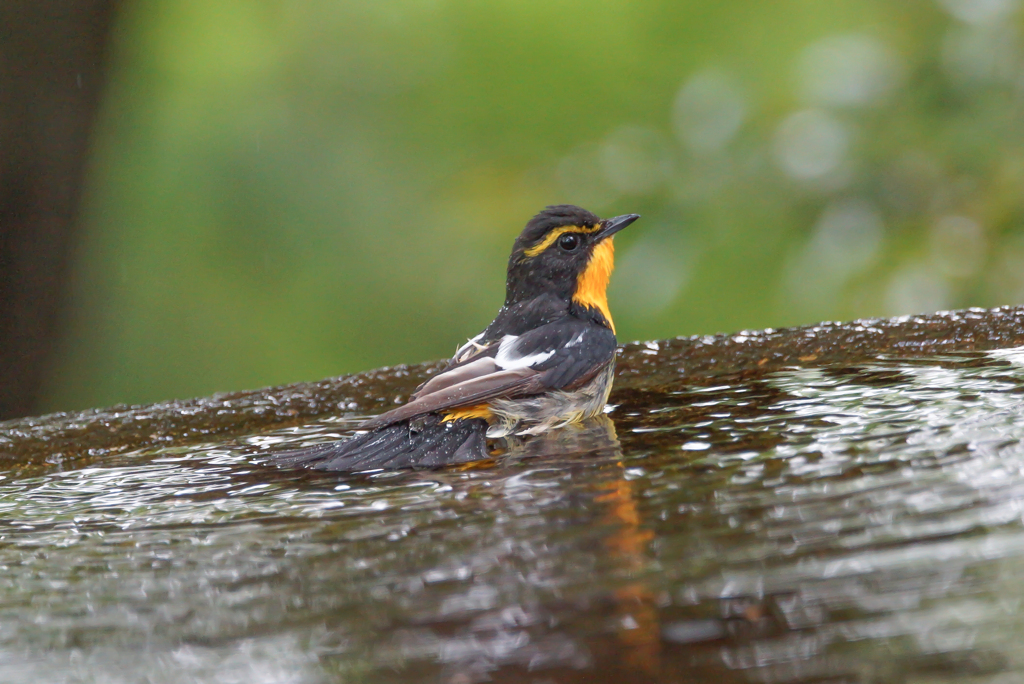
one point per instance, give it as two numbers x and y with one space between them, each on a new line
420 443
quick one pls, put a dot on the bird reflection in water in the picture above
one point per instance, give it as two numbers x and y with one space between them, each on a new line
608 502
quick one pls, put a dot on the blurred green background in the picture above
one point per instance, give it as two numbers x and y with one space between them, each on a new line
284 191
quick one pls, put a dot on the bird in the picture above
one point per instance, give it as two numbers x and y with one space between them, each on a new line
546 360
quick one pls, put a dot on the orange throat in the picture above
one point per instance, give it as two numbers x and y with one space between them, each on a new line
592 284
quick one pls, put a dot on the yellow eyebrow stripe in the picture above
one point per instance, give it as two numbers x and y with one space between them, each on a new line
550 238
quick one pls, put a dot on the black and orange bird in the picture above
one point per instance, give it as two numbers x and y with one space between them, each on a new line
546 360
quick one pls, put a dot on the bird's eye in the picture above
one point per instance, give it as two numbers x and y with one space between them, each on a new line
569 242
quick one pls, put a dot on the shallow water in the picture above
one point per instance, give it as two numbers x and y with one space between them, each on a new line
856 523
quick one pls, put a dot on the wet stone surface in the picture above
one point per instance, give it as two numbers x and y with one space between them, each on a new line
832 504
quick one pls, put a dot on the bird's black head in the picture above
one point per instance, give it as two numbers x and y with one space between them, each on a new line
565 251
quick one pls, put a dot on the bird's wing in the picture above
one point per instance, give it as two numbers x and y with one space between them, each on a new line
559 355
513 319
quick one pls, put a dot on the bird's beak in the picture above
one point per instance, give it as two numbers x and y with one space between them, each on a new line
614 225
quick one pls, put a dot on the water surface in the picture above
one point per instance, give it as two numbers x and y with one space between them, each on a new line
848 523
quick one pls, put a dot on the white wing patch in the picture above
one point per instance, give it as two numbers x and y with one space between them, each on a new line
473 343
508 357
576 340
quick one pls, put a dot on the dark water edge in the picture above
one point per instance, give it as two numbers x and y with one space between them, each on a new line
838 503
641 366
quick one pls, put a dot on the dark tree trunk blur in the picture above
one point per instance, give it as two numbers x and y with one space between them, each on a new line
51 72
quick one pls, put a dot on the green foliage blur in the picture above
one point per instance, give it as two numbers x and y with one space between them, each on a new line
283 191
